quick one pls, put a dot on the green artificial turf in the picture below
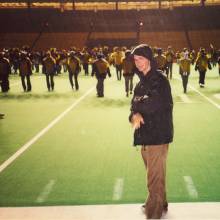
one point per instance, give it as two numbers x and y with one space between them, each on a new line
90 148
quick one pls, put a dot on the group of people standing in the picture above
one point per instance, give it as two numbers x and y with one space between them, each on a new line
74 61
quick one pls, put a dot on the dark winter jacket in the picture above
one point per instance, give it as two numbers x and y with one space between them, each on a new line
153 100
5 68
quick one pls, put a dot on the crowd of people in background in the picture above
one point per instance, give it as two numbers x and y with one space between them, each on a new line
75 61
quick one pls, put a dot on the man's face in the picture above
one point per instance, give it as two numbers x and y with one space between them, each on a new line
142 63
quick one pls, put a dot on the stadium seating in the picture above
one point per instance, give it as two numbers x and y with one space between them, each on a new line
180 27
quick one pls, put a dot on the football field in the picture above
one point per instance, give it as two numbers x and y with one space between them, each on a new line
72 148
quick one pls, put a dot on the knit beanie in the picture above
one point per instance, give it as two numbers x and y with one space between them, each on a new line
143 50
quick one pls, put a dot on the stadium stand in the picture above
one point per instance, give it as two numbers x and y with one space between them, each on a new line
181 27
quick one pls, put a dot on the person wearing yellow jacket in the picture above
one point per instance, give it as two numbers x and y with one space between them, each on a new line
100 69
49 69
74 68
118 55
184 69
169 58
161 60
128 72
25 71
202 64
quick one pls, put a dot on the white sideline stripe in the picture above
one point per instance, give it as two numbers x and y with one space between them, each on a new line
185 98
46 191
190 187
42 132
118 189
205 97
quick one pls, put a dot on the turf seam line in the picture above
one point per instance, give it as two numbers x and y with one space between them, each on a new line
46 191
201 94
42 132
190 187
118 189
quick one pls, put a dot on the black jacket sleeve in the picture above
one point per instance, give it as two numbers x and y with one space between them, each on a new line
158 99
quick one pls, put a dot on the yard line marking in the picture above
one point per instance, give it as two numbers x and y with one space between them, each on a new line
190 187
185 98
46 191
42 132
205 97
201 94
118 189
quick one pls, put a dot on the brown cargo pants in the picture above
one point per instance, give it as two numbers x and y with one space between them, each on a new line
154 157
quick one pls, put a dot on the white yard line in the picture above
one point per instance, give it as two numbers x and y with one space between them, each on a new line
205 97
118 189
46 191
201 94
42 132
190 187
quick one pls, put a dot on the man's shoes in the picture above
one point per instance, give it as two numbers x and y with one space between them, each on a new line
100 96
165 207
2 115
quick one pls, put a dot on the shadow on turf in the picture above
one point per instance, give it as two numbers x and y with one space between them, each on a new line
110 102
25 96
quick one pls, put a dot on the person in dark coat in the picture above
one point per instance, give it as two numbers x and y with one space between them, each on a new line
152 120
5 70
100 69
25 71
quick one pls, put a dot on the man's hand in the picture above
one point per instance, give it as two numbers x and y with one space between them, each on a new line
137 120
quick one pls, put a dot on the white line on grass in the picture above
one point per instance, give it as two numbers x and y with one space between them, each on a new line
205 97
46 191
190 187
42 132
118 189
201 94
